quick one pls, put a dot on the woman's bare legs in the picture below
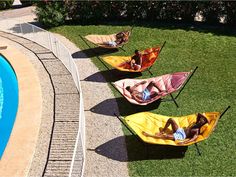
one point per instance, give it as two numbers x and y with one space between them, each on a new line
153 84
173 124
159 136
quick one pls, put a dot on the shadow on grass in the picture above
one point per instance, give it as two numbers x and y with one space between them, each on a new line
112 149
216 29
93 52
125 108
111 75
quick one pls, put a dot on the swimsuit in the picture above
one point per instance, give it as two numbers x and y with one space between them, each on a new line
179 134
136 59
111 43
146 95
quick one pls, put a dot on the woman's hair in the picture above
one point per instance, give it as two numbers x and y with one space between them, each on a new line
199 117
127 88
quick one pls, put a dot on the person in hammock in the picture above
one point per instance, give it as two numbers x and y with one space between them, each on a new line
186 135
137 59
121 37
146 95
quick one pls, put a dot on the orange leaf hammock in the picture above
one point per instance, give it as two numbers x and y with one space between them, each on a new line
122 63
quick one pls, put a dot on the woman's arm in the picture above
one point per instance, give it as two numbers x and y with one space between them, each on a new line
136 98
124 92
138 84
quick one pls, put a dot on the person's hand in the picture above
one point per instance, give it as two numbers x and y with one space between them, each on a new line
144 133
132 61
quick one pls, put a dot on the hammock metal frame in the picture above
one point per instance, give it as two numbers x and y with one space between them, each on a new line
97 54
181 89
118 47
142 70
173 98
121 119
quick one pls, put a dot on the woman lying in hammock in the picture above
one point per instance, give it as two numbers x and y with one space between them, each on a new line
190 132
146 94
121 37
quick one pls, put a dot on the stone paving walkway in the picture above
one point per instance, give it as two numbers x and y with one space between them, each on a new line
26 12
106 153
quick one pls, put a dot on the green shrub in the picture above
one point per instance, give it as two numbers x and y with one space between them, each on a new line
54 13
5 4
230 12
51 14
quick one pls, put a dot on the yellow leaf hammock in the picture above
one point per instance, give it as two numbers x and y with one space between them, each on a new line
151 123
122 62
103 40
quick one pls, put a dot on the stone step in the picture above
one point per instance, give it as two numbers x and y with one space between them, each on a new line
37 49
58 168
55 67
64 84
45 56
60 156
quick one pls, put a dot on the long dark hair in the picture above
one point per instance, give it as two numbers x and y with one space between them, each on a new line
127 88
196 125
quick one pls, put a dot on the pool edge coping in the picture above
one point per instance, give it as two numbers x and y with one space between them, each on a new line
23 137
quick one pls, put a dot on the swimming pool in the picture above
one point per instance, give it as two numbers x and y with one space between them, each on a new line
8 102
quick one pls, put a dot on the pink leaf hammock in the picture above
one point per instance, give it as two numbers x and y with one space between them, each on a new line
167 83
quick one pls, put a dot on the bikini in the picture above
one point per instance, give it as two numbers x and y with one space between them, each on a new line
146 95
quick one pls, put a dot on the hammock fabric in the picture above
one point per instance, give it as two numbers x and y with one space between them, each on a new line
151 123
102 40
167 83
121 63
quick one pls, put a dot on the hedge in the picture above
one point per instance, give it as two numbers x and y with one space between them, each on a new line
5 4
99 11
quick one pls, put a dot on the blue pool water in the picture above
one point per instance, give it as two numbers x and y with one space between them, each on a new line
8 102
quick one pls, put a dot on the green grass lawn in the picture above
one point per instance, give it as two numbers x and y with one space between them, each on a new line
212 88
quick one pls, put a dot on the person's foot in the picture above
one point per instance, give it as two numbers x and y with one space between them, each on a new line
145 134
159 133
